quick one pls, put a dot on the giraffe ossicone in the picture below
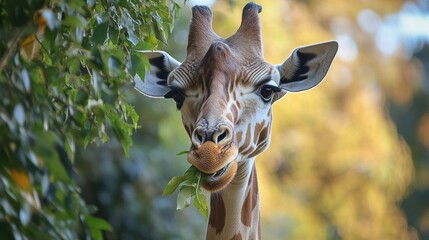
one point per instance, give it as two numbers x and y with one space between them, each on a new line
224 90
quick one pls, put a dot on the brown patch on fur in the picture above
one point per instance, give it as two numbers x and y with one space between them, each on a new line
264 134
246 141
246 212
237 237
262 143
249 150
238 136
217 213
258 129
231 87
229 117
253 180
261 147
234 111
251 199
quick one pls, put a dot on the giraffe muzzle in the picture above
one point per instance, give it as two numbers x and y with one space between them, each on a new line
218 162
210 157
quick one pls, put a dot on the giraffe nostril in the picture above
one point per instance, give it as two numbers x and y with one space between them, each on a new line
199 136
222 136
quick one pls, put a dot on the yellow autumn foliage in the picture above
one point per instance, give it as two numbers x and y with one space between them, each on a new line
21 178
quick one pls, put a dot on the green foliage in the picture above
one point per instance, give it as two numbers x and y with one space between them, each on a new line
190 190
63 68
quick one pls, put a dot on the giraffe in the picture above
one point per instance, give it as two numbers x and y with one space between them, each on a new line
224 90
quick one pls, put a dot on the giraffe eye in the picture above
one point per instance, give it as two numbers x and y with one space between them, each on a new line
267 92
177 96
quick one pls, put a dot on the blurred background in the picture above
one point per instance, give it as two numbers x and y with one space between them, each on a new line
348 159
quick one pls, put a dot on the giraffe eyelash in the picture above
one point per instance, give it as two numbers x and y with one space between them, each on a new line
267 92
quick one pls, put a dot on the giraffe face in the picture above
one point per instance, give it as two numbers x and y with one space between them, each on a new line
224 90
226 110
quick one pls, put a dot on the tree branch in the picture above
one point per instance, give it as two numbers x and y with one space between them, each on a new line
10 48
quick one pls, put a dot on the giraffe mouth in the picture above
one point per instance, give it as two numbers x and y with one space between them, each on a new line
219 174
217 162
221 178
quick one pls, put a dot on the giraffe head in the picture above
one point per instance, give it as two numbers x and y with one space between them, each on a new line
224 90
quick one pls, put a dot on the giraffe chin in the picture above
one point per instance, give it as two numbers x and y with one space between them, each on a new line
220 179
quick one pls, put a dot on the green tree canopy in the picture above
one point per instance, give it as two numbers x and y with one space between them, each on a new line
63 69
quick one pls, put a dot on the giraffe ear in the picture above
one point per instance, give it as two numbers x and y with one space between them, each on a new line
306 66
155 81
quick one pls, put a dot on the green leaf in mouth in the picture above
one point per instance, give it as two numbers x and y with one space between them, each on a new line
190 188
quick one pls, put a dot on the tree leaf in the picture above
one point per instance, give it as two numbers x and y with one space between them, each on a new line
200 203
96 234
75 21
138 64
97 223
45 150
113 34
100 33
190 187
121 129
184 197
114 66
173 184
82 97
30 48
21 178
131 113
182 152
95 226
158 28
141 46
70 146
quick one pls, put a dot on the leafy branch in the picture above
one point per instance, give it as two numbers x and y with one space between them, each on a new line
64 68
190 190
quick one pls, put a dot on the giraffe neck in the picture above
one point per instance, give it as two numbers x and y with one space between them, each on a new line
234 212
